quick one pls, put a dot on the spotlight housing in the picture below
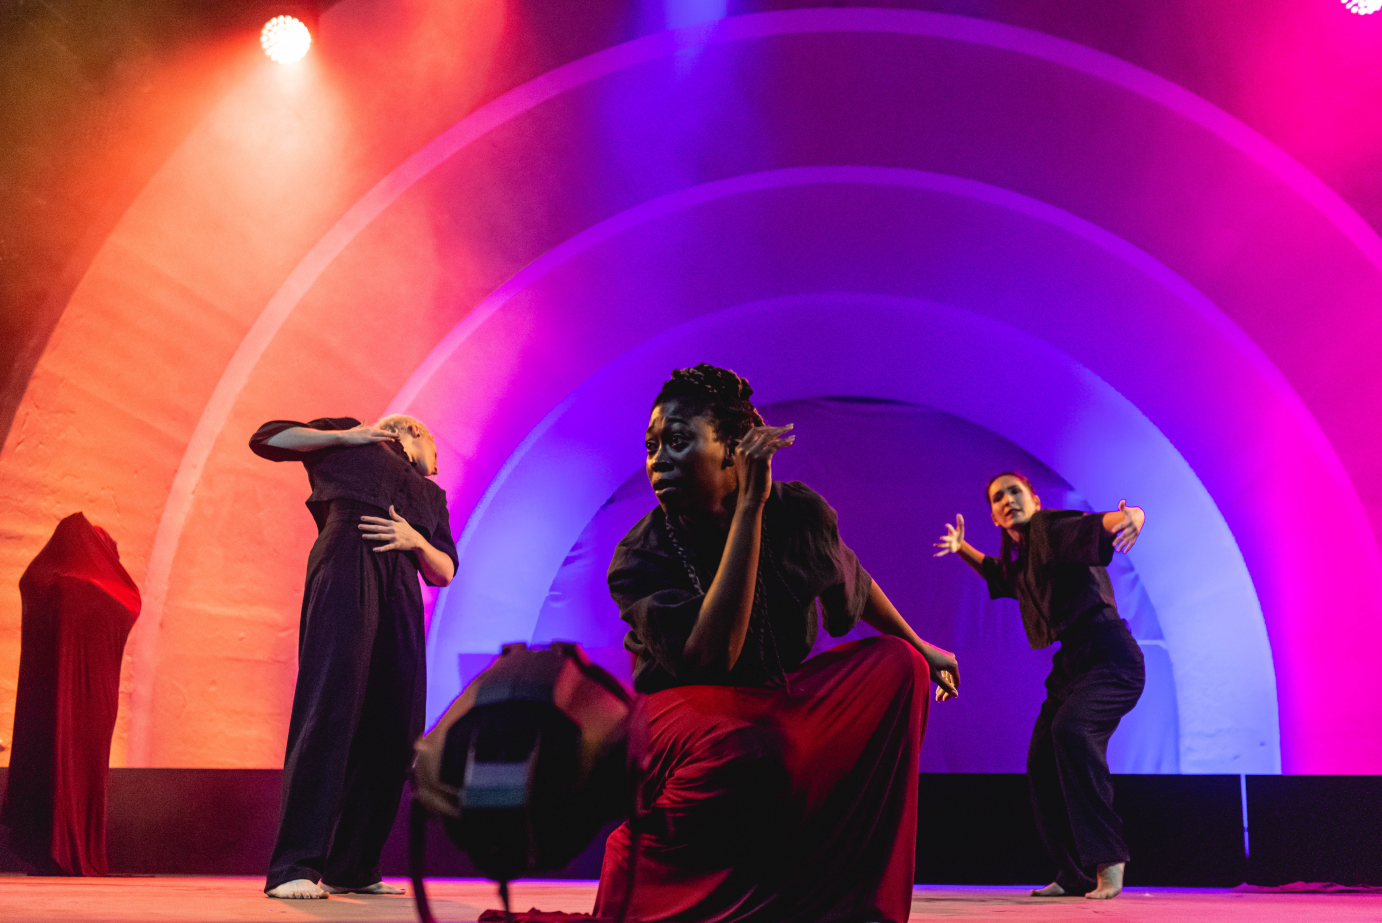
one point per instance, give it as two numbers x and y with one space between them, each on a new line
1362 7
285 39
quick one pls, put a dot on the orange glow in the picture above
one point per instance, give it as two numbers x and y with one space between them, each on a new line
158 314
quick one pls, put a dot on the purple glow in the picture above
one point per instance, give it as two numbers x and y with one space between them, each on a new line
987 728
927 355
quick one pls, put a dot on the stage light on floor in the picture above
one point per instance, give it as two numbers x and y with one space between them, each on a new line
1363 7
285 39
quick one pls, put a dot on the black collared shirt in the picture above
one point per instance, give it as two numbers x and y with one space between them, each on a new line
1059 573
378 474
804 560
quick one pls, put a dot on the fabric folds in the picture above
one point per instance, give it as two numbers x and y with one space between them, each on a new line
79 605
775 806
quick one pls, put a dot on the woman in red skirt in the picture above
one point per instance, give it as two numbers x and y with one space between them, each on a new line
776 790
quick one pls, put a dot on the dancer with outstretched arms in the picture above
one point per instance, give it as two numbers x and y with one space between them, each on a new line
1053 563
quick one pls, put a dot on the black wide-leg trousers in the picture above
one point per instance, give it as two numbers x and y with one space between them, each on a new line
1096 678
357 708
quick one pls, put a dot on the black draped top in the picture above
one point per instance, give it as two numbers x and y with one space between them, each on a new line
802 560
378 474
1058 576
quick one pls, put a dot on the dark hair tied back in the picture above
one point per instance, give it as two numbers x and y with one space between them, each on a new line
1007 551
720 394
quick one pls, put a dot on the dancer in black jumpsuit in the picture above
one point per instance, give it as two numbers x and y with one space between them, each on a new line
361 686
1052 562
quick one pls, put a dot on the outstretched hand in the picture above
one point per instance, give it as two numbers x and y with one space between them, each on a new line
953 538
395 533
753 460
1133 518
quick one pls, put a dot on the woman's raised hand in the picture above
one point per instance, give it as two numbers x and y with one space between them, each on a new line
364 434
753 460
953 538
1131 528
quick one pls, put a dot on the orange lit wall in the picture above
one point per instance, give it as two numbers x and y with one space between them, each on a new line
144 340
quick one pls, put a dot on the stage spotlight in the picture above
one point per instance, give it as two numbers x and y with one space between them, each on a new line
1363 7
285 39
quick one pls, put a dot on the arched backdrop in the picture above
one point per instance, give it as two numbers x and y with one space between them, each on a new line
1044 242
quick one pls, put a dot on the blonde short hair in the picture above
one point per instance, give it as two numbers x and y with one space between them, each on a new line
403 424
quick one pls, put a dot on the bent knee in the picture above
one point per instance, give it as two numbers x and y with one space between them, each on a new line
1071 733
894 657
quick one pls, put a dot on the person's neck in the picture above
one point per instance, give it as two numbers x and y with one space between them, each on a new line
716 520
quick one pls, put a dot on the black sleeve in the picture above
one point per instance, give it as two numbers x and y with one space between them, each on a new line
655 598
441 537
847 584
1000 587
259 441
1072 537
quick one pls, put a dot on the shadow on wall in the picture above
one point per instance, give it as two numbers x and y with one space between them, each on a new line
896 473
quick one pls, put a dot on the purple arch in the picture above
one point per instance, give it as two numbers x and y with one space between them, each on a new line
1259 755
923 353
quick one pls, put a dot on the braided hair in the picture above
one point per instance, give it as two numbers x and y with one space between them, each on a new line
725 397
710 391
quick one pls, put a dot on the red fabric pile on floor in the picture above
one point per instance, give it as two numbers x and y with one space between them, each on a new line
781 806
79 607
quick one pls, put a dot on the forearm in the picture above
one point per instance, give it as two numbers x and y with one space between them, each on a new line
972 556
880 613
303 439
944 670
436 567
717 638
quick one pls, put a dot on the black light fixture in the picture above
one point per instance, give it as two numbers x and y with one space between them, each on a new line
525 766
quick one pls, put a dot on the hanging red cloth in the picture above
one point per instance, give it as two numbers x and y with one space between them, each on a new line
79 605
769 805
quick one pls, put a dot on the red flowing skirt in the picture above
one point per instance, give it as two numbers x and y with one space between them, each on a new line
781 806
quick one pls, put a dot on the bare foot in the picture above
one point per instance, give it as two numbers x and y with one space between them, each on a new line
1110 882
1051 890
301 889
377 888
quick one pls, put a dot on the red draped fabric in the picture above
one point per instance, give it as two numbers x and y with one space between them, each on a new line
781 806
79 606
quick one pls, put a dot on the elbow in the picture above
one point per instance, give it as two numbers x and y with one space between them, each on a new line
436 576
703 661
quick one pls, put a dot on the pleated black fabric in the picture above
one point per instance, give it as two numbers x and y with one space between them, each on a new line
361 685
357 708
804 564
1096 678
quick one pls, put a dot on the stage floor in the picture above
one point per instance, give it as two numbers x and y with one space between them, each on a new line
239 900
